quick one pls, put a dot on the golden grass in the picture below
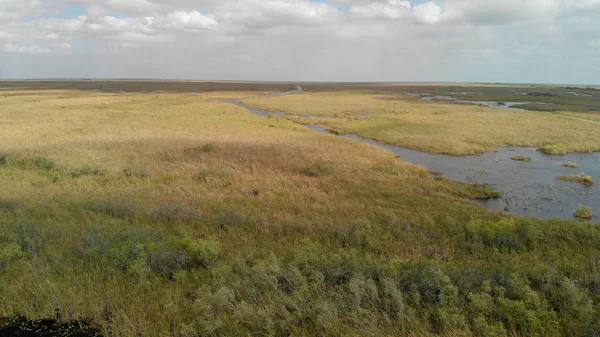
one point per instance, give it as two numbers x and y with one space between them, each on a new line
439 127
157 133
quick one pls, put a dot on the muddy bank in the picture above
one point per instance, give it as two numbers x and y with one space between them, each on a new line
529 188
21 327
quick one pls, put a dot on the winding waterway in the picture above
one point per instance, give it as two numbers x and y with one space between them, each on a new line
528 188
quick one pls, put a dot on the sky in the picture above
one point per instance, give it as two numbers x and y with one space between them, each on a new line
522 41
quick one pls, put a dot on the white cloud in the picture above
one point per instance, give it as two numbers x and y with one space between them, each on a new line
136 7
390 9
266 14
494 12
11 10
338 39
428 12
186 21
582 4
24 49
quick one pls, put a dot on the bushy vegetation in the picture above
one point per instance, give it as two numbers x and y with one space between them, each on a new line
341 283
521 158
581 178
584 212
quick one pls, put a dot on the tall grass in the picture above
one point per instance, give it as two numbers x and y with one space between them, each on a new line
439 127
343 239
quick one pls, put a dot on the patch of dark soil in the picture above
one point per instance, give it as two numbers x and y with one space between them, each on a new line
22 327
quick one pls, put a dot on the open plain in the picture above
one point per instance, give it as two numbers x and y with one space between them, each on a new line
160 209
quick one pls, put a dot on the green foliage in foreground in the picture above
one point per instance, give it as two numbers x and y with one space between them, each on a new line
510 277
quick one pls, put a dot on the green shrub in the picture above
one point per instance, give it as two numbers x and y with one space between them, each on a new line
113 208
317 169
142 253
582 178
474 190
229 217
358 234
38 163
210 147
200 253
9 252
584 212
87 171
521 158
206 148
3 159
31 237
507 234
173 212
136 172
11 205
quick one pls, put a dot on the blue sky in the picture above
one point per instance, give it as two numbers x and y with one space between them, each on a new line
539 41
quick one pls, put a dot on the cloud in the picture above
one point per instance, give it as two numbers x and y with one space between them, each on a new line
390 9
300 39
428 12
266 14
24 49
11 10
135 7
493 12
182 20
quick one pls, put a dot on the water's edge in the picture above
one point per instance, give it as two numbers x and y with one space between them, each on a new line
528 188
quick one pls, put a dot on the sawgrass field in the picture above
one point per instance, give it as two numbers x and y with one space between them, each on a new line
438 126
171 213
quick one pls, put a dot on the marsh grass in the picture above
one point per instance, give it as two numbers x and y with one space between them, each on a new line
137 172
584 212
317 169
87 171
440 127
221 174
114 208
569 164
521 158
553 150
38 163
11 205
229 218
474 190
206 148
366 246
582 178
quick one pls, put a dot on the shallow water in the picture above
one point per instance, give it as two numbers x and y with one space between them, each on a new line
528 188
489 104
